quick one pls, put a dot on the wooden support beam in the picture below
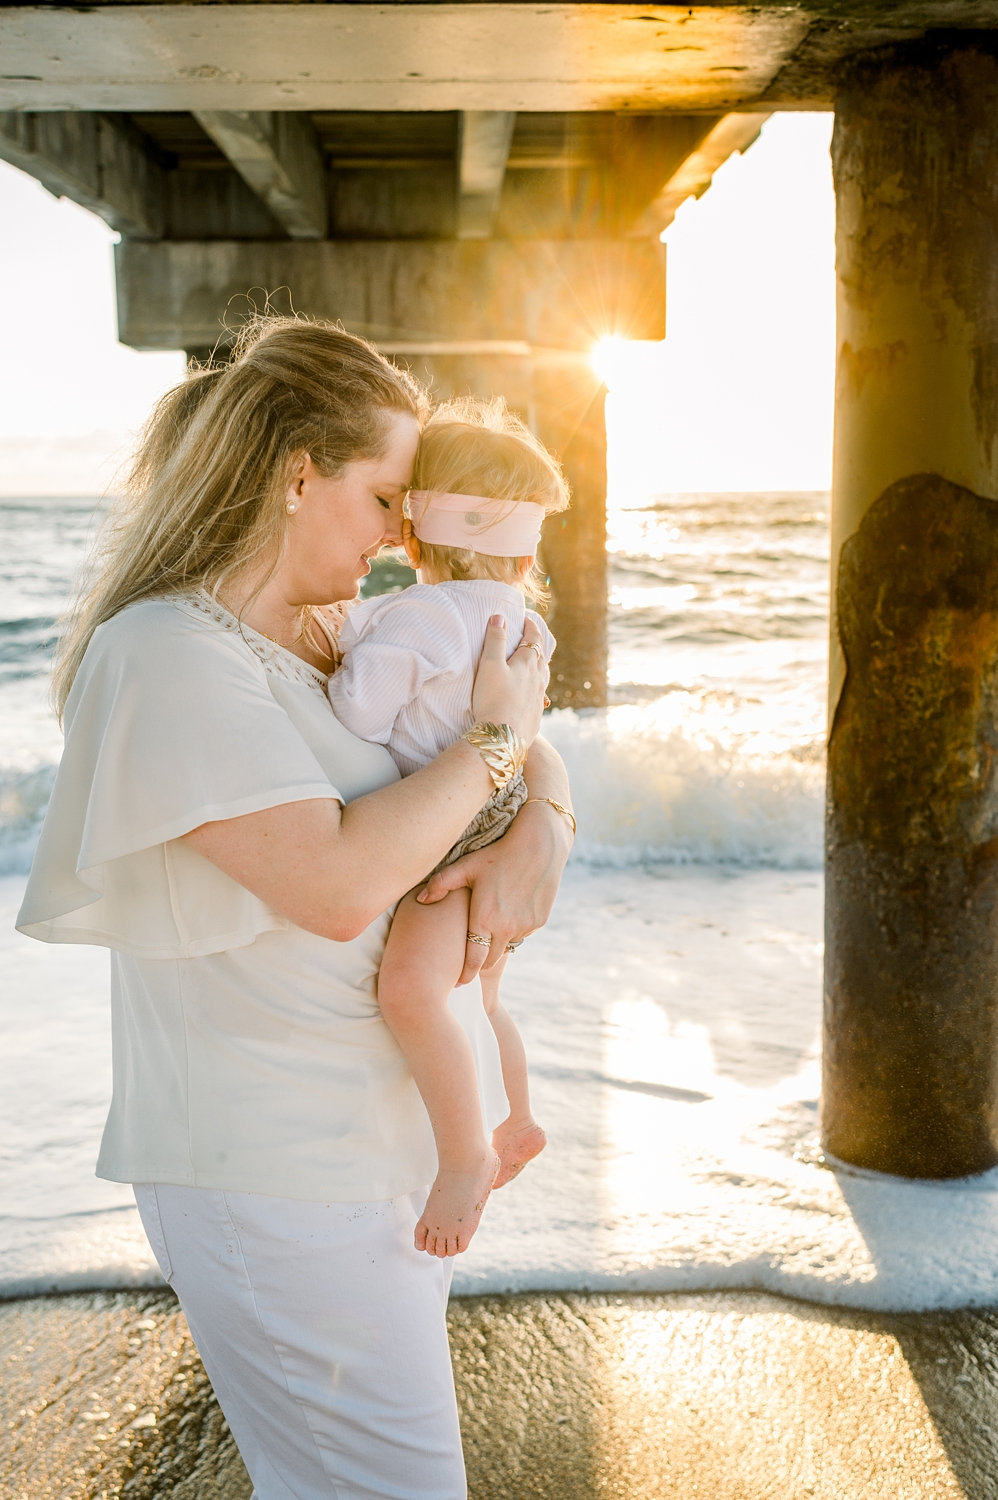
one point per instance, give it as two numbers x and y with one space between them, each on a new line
393 203
92 159
512 55
734 132
483 142
550 294
277 154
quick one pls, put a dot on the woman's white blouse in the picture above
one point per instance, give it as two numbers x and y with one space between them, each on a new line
248 1054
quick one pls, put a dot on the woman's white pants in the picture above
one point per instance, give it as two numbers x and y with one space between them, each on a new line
323 1331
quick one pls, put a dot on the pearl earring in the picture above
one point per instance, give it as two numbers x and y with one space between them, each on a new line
291 507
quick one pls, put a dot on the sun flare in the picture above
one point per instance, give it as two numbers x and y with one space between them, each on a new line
609 358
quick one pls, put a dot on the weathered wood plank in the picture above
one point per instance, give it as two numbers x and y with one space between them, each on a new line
92 159
551 294
497 55
734 132
278 156
484 137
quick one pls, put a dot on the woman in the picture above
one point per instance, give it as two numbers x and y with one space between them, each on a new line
237 850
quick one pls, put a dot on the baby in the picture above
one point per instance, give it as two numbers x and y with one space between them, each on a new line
484 484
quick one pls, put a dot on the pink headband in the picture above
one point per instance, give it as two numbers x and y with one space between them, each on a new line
499 528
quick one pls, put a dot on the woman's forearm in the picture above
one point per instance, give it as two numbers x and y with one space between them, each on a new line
514 881
541 836
545 773
392 838
333 869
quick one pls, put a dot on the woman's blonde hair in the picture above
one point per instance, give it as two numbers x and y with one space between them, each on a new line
475 447
205 494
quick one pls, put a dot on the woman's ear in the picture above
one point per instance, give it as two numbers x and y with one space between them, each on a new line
524 565
410 542
301 469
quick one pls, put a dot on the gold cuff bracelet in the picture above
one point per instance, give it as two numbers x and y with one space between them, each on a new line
501 748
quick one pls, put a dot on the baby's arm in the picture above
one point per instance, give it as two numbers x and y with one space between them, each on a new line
422 962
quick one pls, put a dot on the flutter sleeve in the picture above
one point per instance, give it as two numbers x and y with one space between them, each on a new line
170 724
392 647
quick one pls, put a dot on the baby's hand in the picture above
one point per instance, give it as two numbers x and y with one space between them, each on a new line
511 692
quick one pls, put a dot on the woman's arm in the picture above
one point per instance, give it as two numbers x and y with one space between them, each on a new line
514 881
333 869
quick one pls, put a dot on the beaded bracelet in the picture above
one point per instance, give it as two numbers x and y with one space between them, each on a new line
557 807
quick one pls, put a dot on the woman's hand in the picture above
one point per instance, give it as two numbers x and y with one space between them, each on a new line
513 882
511 692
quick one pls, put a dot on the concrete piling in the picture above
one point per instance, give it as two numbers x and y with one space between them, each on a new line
569 417
911 986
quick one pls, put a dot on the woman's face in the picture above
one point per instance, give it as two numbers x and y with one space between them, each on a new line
338 524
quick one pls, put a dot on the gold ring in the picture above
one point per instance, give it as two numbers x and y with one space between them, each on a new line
512 947
479 937
532 646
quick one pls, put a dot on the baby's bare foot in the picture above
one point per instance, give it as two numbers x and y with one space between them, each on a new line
454 1208
516 1146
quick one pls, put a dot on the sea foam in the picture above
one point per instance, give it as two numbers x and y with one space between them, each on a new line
650 786
656 784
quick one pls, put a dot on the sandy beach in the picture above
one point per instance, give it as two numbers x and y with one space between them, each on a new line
728 1396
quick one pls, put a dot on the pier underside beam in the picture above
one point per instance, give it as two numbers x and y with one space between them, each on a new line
93 159
556 295
277 155
484 139
515 318
911 979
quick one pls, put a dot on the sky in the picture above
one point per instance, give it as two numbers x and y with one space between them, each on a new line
738 397
740 394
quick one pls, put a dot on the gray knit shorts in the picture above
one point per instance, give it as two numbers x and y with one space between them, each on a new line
491 823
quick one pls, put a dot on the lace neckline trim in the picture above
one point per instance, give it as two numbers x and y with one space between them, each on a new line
275 658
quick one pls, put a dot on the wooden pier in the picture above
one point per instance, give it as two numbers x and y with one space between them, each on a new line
481 188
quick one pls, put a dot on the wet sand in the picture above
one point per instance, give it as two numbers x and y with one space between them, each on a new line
727 1396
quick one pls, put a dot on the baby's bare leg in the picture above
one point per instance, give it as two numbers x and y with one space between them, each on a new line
422 963
519 1138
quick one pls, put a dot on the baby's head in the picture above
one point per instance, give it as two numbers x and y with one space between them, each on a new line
472 449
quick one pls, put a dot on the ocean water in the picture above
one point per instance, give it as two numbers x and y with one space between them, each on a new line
712 748
670 1009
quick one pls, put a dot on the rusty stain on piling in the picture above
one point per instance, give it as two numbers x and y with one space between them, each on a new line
911 1012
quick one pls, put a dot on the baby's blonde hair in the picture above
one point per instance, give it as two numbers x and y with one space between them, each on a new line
475 447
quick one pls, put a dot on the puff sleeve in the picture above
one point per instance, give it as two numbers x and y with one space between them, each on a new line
170 724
